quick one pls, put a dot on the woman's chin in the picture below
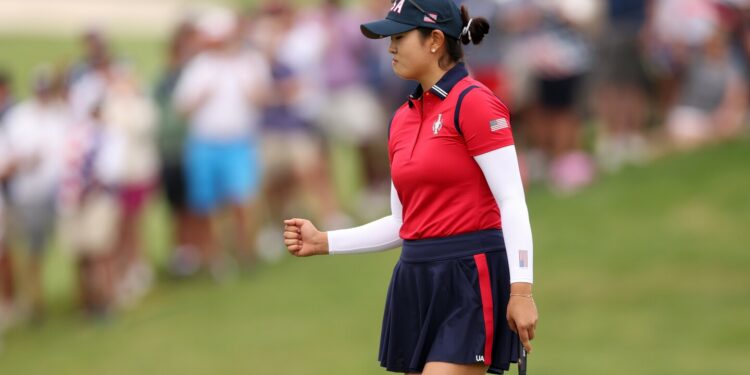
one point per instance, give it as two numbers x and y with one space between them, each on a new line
400 73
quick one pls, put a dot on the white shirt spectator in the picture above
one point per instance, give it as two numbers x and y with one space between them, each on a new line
131 118
35 134
302 50
220 87
87 93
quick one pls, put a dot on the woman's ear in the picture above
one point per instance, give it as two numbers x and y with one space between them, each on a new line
437 40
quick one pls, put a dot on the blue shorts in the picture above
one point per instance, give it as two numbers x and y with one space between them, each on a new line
219 173
447 303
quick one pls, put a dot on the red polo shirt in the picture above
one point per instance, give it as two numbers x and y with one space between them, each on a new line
441 187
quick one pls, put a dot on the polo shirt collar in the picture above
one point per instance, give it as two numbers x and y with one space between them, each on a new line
445 84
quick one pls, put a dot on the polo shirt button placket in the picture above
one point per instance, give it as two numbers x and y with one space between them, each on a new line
419 106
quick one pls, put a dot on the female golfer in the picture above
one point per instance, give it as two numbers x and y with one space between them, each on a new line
460 295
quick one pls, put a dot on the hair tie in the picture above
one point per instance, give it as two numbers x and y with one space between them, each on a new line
465 31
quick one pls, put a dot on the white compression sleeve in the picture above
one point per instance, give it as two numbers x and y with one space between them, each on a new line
379 235
500 168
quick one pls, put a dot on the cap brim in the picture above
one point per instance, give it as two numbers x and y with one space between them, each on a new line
384 28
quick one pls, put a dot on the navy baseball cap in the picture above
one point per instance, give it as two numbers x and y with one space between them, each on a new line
407 15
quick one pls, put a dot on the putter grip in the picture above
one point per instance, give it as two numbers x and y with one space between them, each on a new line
522 361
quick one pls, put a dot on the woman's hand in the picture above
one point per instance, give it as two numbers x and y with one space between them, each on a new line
522 315
302 239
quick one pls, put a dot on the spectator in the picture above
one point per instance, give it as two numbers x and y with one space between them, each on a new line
221 91
621 100
171 140
352 113
88 198
673 30
97 54
712 102
485 58
7 287
7 284
131 116
293 154
559 59
35 129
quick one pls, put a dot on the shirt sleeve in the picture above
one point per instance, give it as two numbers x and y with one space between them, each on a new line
484 121
190 86
379 235
500 169
18 122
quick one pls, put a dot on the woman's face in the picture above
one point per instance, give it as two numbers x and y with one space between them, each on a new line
411 54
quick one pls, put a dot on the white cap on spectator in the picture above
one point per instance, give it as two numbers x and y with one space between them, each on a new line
217 23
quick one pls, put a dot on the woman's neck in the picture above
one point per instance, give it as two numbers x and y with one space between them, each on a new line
434 75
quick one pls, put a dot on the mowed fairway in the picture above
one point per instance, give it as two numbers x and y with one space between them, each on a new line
647 272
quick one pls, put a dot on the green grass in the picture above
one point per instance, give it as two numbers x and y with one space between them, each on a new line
21 54
646 273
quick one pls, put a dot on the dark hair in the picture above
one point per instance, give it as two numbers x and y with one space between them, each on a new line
477 30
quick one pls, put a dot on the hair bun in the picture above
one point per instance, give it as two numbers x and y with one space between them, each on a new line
474 28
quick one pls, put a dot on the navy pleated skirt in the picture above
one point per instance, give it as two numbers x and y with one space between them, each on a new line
447 303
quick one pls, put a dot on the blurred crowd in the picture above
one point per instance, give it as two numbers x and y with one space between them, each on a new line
595 86
237 131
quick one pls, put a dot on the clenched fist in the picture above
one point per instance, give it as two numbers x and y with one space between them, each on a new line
302 239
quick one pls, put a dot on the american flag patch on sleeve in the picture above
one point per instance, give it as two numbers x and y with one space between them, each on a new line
523 258
498 124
